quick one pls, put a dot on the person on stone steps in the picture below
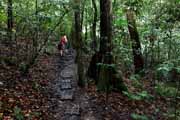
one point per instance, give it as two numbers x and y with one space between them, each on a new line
62 44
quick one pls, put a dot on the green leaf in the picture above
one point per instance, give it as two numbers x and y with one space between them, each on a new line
139 117
121 22
18 113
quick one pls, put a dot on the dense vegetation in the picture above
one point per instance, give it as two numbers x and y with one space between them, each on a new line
127 46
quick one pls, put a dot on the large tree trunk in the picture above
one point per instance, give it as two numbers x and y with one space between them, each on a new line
103 56
10 20
94 26
136 46
78 43
105 74
105 26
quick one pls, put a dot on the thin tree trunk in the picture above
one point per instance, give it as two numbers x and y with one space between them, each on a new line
86 26
170 44
94 25
35 39
136 46
82 13
10 20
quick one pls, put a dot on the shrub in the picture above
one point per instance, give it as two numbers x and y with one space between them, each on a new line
165 90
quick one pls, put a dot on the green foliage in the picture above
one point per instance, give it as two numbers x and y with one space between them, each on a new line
23 68
35 85
135 5
34 114
121 22
135 116
50 48
136 80
165 70
8 60
135 77
122 53
165 90
138 96
137 84
18 113
3 17
171 115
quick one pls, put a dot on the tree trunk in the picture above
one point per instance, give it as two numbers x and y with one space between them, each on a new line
82 13
10 20
86 26
105 74
103 56
105 26
94 26
136 46
78 44
35 38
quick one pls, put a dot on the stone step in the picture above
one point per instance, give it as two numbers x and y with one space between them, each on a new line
65 85
63 60
71 117
67 94
73 110
66 80
66 73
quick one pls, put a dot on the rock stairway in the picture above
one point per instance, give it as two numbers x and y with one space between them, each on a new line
65 86
66 100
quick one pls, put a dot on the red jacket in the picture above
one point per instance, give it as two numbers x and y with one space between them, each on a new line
62 41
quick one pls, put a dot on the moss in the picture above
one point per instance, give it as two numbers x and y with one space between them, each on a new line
9 60
118 83
110 79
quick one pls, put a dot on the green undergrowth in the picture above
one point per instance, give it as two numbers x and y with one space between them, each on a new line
135 116
165 90
144 95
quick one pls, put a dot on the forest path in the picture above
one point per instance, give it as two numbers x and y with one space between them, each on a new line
68 101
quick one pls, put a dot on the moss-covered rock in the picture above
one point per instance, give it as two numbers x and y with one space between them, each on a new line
110 79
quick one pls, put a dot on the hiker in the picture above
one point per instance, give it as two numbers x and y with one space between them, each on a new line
62 44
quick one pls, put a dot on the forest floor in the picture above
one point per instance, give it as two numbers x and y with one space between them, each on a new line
31 96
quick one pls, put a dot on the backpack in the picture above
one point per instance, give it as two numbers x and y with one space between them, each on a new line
59 46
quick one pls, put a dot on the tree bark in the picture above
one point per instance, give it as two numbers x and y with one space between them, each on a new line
104 54
136 46
77 25
86 25
82 13
78 43
105 26
94 25
10 20
105 74
35 38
